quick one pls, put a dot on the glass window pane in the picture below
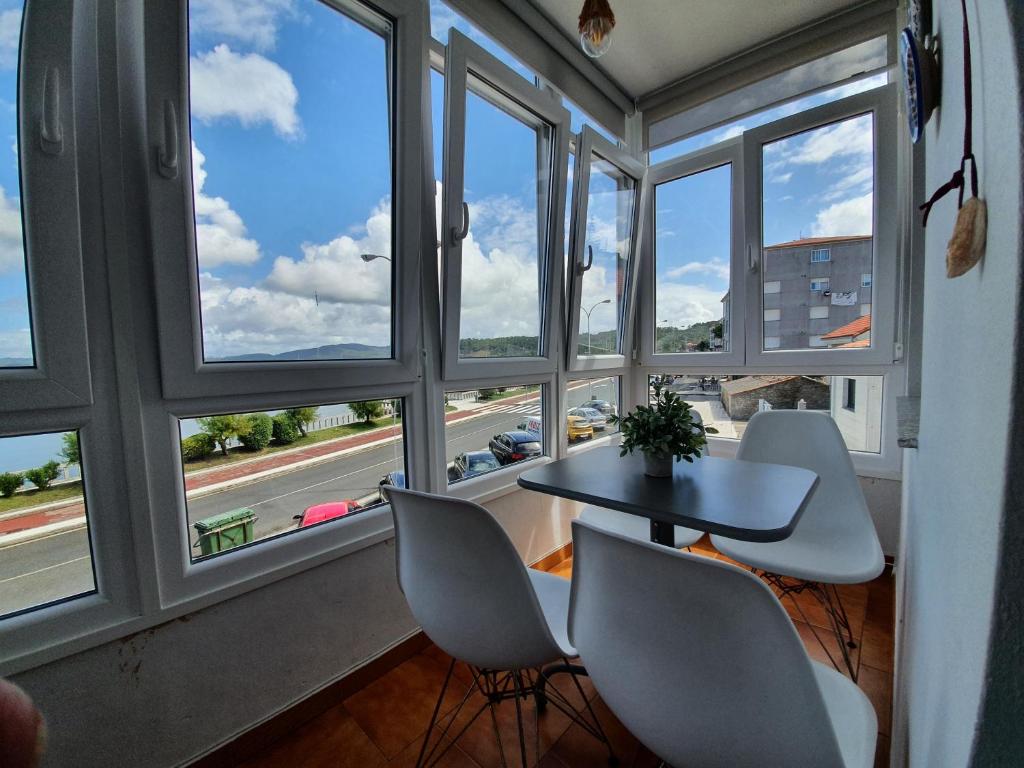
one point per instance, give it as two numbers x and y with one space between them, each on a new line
443 18
487 429
693 243
15 324
252 476
727 402
44 535
608 240
292 183
817 198
502 260
589 404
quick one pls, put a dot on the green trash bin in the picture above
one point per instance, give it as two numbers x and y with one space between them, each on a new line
224 531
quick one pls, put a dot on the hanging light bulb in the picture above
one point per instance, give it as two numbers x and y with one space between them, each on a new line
596 24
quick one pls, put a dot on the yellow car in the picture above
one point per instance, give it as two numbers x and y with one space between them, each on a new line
578 428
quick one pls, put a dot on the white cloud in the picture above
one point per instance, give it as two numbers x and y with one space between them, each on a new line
857 180
729 133
782 178
12 254
849 138
10 37
718 268
683 305
335 271
850 217
249 21
244 86
16 343
220 231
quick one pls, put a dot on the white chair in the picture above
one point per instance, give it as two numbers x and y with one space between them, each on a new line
834 541
700 662
470 592
634 526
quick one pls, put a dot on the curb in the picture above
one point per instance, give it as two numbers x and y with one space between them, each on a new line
42 531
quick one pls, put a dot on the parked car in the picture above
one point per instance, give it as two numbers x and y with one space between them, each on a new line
510 447
602 405
318 513
597 420
396 478
577 428
471 464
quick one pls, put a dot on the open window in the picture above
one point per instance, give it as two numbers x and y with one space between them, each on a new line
505 157
603 246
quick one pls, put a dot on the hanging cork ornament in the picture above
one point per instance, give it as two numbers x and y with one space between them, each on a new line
967 245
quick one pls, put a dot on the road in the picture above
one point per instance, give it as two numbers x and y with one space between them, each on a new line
50 568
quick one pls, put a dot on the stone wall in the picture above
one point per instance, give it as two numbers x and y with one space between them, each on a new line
782 395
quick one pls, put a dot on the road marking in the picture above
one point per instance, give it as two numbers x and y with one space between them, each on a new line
47 568
390 462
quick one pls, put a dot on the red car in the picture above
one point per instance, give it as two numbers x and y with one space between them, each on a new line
318 513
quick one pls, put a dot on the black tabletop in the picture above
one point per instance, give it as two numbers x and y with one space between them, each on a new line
743 500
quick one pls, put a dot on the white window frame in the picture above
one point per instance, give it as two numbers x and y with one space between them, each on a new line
866 283
49 169
184 371
820 284
776 287
466 63
881 103
776 315
826 251
819 316
726 153
592 143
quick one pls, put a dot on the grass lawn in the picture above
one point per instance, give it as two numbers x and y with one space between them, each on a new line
241 454
35 496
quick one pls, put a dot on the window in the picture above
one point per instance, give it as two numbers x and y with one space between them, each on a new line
819 284
850 394
771 315
772 342
44 531
818 313
772 286
820 254
865 280
697 313
253 476
590 403
865 309
443 19
490 428
603 244
727 402
501 214
816 341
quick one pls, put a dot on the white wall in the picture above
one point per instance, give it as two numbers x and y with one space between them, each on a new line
957 477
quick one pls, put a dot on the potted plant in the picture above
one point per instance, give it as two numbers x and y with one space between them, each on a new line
666 429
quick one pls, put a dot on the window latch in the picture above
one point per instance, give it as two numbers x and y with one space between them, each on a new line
167 155
51 136
751 258
581 268
459 233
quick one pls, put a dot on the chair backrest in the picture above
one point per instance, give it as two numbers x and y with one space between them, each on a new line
466 584
812 440
696 657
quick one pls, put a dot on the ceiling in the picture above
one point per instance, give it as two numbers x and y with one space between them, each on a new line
657 42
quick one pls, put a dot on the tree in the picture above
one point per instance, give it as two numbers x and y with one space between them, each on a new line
285 431
368 410
41 477
9 483
70 451
221 429
301 417
261 429
197 447
703 345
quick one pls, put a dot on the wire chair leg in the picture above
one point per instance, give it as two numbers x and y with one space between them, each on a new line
433 716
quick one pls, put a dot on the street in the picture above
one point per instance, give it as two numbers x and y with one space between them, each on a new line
46 569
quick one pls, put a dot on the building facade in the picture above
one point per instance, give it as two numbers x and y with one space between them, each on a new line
812 286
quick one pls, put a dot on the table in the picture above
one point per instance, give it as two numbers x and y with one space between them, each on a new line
746 500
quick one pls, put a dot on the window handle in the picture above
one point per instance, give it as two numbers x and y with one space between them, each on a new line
590 261
167 155
751 258
51 135
459 233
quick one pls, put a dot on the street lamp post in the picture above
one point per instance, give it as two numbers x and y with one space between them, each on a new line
368 257
588 311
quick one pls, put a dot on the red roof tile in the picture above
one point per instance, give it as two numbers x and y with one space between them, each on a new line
860 344
818 241
861 325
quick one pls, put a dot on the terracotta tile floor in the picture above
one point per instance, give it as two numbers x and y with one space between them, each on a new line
383 724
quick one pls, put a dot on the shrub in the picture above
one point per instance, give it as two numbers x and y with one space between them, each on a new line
9 483
261 429
197 447
487 394
301 417
285 430
41 477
